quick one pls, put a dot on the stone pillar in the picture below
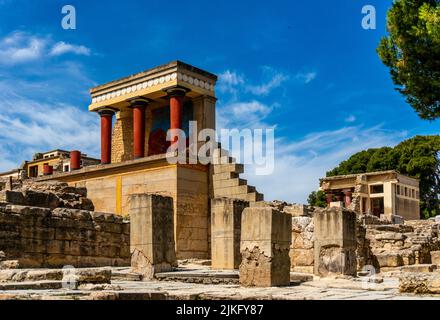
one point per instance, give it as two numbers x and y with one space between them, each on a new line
176 96
47 170
335 241
8 185
151 234
266 234
106 135
226 232
138 105
75 160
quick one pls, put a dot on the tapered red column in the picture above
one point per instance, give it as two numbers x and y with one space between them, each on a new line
139 106
75 160
106 135
347 198
176 109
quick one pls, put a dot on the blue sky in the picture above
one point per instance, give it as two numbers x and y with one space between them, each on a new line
306 68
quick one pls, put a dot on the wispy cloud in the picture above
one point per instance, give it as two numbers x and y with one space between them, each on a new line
244 114
34 115
350 118
229 82
29 126
61 48
306 77
267 87
299 164
21 47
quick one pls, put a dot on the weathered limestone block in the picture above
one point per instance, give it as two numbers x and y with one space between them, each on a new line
389 259
297 210
435 257
40 237
419 268
335 241
225 232
265 242
301 249
9 264
152 244
420 283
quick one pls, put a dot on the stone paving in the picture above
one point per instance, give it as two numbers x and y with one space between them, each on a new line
326 289
127 285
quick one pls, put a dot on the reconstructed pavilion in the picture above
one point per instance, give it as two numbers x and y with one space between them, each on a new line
380 193
136 113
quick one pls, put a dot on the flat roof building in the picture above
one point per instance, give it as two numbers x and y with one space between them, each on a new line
379 193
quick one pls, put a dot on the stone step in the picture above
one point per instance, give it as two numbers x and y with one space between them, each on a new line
254 196
220 153
125 276
225 176
200 277
389 259
219 184
419 268
83 275
233 191
32 285
232 167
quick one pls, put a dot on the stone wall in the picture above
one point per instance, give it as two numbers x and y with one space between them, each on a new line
301 249
41 237
45 225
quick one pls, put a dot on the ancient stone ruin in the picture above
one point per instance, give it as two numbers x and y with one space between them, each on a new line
140 222
52 225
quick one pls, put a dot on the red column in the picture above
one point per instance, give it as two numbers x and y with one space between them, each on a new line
47 170
75 160
176 109
347 198
139 106
328 198
106 135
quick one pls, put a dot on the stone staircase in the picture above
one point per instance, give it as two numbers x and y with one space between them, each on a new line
226 179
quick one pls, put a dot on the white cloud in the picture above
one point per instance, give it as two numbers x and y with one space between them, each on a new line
306 77
300 164
28 126
243 114
350 118
232 82
229 81
266 88
61 48
21 47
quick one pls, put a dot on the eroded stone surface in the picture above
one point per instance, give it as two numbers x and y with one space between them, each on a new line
335 242
152 234
265 246
420 283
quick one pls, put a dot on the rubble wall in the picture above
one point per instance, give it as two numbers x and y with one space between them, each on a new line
43 237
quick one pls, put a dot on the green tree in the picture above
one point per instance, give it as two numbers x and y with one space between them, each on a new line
416 157
317 199
412 51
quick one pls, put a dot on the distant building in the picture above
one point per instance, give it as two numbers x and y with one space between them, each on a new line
14 174
379 193
58 160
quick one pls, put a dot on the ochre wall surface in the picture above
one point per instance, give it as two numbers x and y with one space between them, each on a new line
110 187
